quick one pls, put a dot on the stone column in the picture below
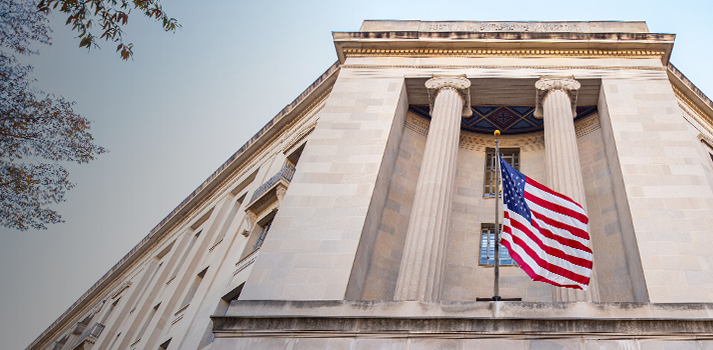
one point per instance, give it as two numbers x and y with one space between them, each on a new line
557 104
424 250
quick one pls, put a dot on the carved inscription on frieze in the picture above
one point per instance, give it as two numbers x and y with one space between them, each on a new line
502 27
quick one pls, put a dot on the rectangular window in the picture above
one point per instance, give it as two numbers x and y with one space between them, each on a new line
487 247
511 155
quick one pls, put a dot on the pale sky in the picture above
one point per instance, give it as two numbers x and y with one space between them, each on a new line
189 100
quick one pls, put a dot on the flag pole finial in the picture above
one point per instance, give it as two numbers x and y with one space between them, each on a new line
497 133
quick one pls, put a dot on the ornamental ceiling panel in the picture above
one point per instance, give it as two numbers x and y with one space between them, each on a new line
510 120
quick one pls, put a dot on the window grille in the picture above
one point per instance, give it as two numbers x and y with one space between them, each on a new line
511 156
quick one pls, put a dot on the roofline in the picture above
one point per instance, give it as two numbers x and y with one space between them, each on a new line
691 92
196 197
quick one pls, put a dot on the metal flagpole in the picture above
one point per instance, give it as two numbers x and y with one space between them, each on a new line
496 286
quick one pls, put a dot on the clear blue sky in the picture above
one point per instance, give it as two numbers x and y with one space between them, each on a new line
189 100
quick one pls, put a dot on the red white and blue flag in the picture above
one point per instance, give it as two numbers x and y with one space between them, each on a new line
545 232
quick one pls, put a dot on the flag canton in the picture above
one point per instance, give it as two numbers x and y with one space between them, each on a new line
514 190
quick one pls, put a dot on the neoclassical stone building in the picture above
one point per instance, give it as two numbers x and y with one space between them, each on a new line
361 216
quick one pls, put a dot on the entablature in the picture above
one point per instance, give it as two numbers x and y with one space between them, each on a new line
503 44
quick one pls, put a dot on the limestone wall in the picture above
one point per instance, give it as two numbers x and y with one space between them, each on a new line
669 198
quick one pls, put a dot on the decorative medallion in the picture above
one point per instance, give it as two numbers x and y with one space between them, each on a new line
510 120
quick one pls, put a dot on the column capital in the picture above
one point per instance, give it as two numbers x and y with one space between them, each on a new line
547 84
457 83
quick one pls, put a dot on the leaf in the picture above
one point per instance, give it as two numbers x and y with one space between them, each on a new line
86 41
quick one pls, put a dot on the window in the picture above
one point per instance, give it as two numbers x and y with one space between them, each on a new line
263 233
487 247
511 155
257 235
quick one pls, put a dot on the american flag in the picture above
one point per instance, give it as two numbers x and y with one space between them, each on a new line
545 232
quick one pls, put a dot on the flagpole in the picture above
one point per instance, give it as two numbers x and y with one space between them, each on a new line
496 284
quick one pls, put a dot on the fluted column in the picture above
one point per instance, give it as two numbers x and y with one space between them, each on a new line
424 250
556 103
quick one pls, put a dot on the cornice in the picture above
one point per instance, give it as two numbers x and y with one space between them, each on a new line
421 53
703 116
503 44
690 95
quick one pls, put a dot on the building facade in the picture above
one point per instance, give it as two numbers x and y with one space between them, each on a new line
362 215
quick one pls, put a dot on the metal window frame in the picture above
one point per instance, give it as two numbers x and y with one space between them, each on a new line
511 155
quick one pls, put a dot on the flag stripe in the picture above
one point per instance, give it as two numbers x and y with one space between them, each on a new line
549 267
557 235
544 268
559 251
526 238
532 274
574 233
548 190
548 197
556 208
535 207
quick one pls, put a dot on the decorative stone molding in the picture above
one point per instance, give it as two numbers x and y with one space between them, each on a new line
252 218
417 124
120 289
708 140
457 83
280 193
299 136
503 53
547 84
702 119
501 67
587 125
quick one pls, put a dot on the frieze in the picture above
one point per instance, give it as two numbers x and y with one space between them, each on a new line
549 27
